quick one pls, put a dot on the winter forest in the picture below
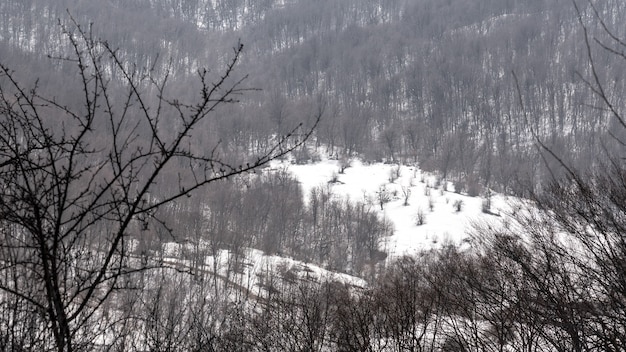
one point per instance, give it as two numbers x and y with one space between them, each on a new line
313 175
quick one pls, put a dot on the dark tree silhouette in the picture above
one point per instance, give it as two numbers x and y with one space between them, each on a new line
76 184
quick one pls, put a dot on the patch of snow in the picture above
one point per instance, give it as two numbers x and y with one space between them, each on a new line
442 224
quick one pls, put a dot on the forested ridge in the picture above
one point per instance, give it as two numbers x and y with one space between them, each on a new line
116 143
400 80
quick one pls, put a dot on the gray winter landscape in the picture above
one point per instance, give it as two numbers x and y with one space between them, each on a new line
313 175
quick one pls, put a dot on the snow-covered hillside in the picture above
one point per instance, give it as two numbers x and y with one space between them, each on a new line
434 214
437 205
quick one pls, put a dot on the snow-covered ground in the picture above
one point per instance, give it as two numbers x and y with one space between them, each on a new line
442 222
254 270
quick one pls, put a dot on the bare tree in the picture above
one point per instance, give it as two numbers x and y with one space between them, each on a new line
406 193
383 196
353 325
408 305
76 184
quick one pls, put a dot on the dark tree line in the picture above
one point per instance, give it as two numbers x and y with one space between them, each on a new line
504 295
334 233
401 79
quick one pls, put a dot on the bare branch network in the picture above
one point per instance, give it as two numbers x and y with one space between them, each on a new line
76 182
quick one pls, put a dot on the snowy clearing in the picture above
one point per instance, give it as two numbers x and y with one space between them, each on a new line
437 206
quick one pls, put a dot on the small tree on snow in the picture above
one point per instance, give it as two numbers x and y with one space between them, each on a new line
486 206
394 173
458 205
406 193
420 217
383 196
344 163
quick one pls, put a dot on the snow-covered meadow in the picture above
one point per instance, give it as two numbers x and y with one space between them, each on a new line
425 213
446 216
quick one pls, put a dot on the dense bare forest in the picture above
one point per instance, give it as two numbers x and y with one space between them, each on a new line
133 141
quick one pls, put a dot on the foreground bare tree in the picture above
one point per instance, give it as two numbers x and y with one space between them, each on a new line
568 251
76 184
